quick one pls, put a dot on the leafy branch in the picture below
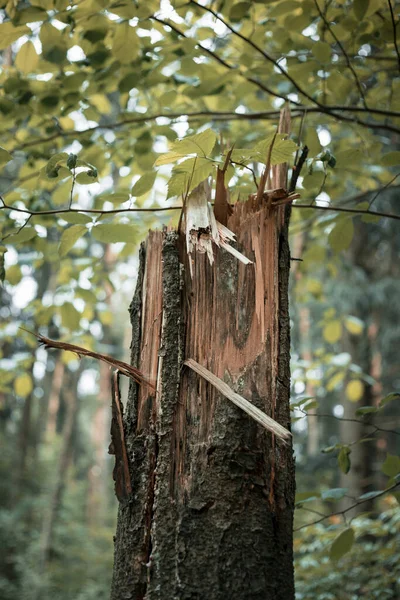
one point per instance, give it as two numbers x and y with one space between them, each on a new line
297 113
346 56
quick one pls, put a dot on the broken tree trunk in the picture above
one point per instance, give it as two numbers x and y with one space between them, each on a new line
210 515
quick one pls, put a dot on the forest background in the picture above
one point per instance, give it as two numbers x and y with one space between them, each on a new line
93 95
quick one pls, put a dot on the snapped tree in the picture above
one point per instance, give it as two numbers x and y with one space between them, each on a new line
93 94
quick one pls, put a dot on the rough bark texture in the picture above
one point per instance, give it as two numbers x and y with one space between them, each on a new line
211 512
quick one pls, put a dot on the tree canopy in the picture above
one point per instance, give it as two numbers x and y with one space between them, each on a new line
110 112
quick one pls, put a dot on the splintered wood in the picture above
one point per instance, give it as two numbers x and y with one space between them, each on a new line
202 230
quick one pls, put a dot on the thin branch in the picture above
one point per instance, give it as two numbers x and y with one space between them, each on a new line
225 64
347 420
267 56
355 211
19 229
345 510
297 113
234 162
382 189
394 25
348 62
167 208
59 211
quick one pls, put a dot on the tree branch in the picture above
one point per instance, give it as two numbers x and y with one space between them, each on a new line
347 420
345 510
267 56
355 211
297 113
348 62
394 25
222 61
60 211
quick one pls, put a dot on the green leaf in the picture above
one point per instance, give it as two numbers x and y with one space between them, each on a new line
26 234
370 495
341 235
27 59
201 144
391 159
116 198
23 385
342 544
87 177
391 466
334 494
74 217
282 150
188 174
360 8
302 497
10 34
69 238
5 156
239 11
54 162
115 232
344 459
366 410
126 43
70 317
346 159
389 398
166 159
322 51
144 184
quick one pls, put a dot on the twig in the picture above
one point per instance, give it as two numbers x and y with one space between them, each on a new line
267 56
348 62
223 62
382 189
394 25
234 162
297 113
347 420
166 208
345 510
19 229
354 211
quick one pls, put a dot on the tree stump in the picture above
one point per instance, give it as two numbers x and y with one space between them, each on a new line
210 515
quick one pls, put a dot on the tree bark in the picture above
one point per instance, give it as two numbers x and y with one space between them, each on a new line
211 511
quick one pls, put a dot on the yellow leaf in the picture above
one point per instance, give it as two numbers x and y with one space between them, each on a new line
101 102
23 385
332 331
353 325
27 59
354 390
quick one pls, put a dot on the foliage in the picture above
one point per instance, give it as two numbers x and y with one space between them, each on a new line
110 112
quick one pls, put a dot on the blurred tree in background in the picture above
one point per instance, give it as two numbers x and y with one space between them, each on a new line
92 93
